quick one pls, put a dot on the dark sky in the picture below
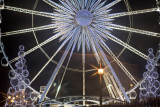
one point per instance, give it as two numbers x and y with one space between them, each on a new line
72 84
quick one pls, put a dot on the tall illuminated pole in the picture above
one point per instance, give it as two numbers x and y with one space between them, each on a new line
100 72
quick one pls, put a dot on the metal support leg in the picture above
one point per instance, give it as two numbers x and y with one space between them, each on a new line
56 70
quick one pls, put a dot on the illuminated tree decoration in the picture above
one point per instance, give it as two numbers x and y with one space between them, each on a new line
150 86
19 95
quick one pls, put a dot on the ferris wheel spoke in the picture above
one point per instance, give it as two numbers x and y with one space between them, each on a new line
103 22
58 67
107 6
83 46
123 28
79 4
100 5
107 29
81 38
120 42
21 10
62 19
115 15
93 47
79 41
43 43
83 4
112 3
92 2
51 3
63 28
95 5
101 34
61 46
62 13
51 26
107 49
98 36
66 5
69 3
55 5
64 16
66 35
94 51
75 4
83 64
107 63
88 4
66 68
87 42
101 14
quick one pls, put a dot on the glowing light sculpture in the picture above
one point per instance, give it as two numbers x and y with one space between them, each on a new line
150 87
19 94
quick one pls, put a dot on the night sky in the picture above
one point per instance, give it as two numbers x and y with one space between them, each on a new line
72 83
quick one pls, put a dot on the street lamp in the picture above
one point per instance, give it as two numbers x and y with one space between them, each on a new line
100 72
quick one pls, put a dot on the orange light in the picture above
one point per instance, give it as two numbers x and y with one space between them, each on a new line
100 71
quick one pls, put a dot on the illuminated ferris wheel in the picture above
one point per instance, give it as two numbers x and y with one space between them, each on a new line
85 25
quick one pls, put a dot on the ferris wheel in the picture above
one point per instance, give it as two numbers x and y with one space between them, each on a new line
85 25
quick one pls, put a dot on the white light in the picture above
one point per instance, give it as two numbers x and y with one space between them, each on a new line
9 97
109 85
13 98
87 105
131 85
100 71
59 87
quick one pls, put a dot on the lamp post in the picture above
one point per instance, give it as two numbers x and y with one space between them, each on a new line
100 72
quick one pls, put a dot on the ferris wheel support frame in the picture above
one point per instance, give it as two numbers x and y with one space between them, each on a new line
57 68
106 63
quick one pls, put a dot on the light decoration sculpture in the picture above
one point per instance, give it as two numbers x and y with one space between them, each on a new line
150 87
19 94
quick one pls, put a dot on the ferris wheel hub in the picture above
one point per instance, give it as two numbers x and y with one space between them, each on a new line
84 17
